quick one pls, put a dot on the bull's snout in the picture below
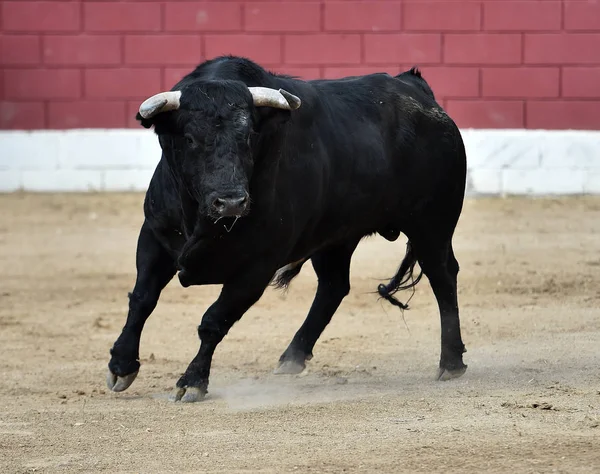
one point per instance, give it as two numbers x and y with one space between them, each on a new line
231 206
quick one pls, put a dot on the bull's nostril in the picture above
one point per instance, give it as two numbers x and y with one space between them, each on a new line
233 206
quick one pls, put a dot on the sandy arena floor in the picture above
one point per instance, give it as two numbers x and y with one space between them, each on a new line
529 290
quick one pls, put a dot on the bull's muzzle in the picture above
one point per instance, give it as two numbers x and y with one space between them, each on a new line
230 206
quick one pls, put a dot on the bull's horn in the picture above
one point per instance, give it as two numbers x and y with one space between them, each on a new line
158 103
281 99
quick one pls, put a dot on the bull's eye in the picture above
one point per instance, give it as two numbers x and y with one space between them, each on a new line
189 139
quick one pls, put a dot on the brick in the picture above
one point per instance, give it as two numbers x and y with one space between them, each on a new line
482 48
134 1
62 180
131 111
581 82
442 16
123 83
82 50
339 72
163 50
362 16
172 75
454 82
122 16
203 16
21 115
282 17
582 15
520 82
19 50
32 84
412 48
550 115
327 49
560 48
86 114
533 15
306 73
265 49
486 114
40 16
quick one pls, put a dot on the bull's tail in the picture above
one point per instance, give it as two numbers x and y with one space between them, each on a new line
285 275
403 280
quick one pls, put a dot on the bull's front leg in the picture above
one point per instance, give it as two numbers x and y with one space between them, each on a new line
235 299
155 268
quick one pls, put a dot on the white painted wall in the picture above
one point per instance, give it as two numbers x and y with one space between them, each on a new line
501 162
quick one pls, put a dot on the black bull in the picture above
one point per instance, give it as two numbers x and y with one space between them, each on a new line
262 172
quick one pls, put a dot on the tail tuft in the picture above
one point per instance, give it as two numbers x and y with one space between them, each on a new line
285 275
403 280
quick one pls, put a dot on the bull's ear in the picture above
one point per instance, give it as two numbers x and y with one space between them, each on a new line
143 122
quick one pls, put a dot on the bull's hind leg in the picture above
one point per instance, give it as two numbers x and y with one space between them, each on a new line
441 268
332 267
155 268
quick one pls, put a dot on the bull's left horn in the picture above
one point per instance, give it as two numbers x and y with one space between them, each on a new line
280 99
158 103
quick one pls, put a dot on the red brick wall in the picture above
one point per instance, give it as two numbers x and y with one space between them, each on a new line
492 63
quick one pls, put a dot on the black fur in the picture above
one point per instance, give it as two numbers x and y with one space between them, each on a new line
362 155
414 76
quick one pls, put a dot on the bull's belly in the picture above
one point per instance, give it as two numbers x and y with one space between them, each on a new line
211 269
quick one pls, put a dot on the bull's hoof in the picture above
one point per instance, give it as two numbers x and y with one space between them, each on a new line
449 374
118 383
292 362
289 367
187 394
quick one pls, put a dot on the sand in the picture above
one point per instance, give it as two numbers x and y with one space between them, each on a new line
529 292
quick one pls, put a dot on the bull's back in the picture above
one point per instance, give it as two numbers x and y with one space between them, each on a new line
380 147
339 148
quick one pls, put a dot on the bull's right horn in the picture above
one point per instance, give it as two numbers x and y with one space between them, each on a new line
158 103
279 99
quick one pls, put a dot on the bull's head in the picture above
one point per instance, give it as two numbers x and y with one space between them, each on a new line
208 131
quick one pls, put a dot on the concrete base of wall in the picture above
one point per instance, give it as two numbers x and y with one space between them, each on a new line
500 162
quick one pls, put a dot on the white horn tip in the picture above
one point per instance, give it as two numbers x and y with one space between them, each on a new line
160 103
150 105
